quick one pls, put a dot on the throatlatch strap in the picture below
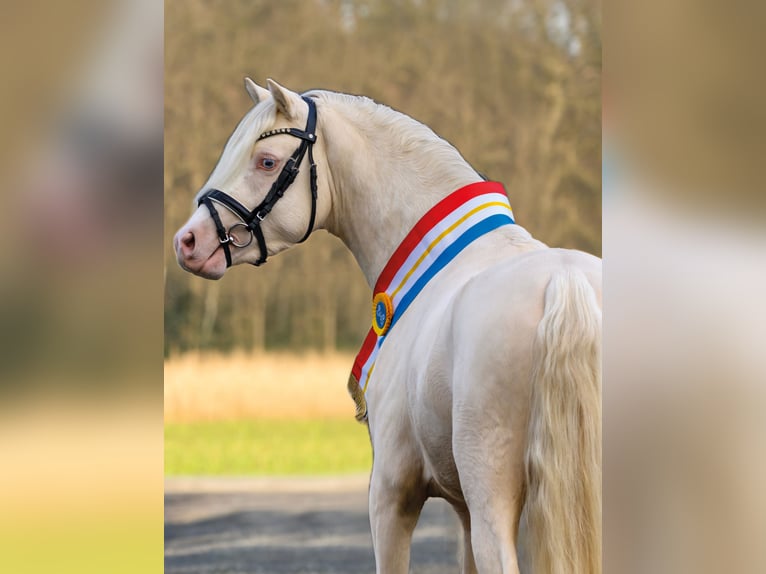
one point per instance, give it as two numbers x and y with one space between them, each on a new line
313 176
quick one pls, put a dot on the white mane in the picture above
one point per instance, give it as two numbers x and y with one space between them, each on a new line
401 141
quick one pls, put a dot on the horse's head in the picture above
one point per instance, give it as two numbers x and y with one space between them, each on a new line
263 195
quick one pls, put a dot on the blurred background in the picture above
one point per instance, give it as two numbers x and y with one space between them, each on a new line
684 395
81 286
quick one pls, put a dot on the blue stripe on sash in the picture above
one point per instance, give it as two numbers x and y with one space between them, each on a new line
470 235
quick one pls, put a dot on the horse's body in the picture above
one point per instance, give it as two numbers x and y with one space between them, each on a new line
487 390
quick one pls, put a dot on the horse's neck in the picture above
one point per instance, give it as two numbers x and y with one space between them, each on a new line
382 184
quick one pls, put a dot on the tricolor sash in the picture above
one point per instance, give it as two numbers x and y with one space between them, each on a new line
437 238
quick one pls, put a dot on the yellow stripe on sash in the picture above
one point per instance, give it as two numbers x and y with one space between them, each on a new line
440 237
422 257
367 380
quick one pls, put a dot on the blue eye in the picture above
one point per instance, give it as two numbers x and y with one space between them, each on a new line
267 163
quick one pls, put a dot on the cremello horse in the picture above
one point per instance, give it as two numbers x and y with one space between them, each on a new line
487 390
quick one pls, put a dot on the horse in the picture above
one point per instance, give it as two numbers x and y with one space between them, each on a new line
480 382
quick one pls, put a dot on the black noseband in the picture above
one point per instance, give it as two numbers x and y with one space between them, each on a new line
251 219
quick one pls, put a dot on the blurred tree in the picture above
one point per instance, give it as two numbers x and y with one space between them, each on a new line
515 85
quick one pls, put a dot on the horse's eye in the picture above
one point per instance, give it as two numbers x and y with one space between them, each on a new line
267 163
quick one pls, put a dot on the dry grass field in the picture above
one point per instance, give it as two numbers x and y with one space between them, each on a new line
268 386
268 414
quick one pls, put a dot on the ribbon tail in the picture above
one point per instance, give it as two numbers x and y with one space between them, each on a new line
357 394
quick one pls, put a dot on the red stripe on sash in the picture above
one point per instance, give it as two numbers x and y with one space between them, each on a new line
427 222
432 217
364 352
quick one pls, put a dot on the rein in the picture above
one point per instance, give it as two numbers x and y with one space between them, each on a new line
251 219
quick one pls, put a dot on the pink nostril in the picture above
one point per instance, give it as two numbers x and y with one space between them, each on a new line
187 244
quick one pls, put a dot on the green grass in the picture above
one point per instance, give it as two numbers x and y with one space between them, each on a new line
267 447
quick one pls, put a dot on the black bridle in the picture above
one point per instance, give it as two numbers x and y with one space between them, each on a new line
251 219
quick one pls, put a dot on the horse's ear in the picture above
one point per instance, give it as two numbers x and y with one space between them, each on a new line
257 93
285 99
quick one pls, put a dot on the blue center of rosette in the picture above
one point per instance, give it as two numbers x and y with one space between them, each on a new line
380 314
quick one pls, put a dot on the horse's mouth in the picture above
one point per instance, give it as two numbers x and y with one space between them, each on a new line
213 267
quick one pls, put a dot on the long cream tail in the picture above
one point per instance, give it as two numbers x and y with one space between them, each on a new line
563 458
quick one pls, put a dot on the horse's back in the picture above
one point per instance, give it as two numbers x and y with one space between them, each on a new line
496 313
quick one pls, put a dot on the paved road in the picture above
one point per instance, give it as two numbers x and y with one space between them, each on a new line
242 526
